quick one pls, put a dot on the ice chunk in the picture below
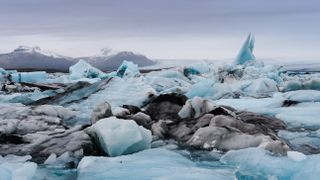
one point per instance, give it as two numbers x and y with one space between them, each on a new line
29 77
300 140
246 53
210 89
251 104
293 85
157 163
17 167
259 164
128 69
117 137
82 69
296 156
303 95
196 69
262 87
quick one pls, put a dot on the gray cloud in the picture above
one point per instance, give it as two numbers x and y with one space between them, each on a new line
168 20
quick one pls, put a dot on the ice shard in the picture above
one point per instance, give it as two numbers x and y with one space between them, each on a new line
246 53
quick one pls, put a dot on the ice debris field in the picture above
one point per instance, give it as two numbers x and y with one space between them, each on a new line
239 120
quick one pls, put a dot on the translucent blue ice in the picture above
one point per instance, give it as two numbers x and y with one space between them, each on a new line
29 77
246 53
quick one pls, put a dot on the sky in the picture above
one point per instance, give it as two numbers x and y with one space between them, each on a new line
164 29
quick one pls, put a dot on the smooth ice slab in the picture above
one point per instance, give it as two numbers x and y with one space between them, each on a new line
29 77
259 164
117 136
155 163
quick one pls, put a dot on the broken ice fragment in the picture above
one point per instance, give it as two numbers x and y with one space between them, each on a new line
246 53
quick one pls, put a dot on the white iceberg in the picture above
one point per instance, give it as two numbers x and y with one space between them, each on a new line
82 69
118 137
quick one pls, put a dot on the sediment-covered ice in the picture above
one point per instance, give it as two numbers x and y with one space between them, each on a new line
155 163
118 92
117 137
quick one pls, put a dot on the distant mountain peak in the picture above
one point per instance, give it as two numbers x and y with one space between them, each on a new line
27 49
108 52
37 50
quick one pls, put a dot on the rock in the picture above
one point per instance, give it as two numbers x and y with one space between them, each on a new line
132 109
160 129
142 119
102 110
166 107
195 108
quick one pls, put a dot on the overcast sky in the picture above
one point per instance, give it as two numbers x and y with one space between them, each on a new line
175 29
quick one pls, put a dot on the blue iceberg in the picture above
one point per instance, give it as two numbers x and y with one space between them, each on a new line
246 53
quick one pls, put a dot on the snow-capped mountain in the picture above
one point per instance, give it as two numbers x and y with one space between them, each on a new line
33 58
111 60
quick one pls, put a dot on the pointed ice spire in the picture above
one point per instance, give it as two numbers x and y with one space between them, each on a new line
246 52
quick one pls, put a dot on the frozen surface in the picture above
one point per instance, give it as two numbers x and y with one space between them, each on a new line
118 137
259 164
17 168
156 163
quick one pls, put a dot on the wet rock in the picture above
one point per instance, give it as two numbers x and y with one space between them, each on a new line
102 110
132 109
166 107
142 119
160 129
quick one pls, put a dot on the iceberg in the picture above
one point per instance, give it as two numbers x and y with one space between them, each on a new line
208 88
157 163
262 87
259 164
29 77
17 167
196 69
128 69
246 53
117 137
82 69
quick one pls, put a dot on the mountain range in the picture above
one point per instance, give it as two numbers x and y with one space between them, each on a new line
26 58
